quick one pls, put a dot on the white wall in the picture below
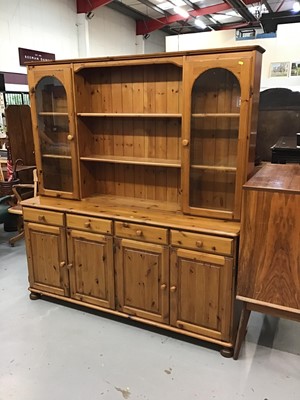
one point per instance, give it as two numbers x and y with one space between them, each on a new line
285 47
110 33
155 43
43 25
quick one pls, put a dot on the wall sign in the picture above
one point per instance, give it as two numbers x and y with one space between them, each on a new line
27 55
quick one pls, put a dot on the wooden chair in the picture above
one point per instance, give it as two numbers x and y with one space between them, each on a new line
22 192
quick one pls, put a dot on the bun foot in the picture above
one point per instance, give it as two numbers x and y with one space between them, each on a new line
34 296
227 352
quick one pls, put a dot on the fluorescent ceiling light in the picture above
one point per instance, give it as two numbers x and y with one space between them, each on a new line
200 23
296 6
182 12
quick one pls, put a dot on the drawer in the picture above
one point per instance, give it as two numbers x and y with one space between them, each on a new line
141 232
196 241
89 224
43 217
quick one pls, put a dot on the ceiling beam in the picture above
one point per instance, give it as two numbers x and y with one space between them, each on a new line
267 5
153 6
279 7
240 7
84 6
150 25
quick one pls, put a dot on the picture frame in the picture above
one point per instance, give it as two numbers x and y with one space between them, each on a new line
295 68
279 69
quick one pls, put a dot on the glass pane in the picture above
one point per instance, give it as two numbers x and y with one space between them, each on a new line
56 174
53 128
212 189
214 139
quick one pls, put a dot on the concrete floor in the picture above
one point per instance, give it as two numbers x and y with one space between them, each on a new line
52 351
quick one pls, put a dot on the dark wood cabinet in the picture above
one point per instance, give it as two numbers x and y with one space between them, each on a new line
269 267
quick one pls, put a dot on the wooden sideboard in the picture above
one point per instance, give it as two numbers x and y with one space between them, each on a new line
269 260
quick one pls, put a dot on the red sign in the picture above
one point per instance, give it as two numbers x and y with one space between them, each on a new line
26 56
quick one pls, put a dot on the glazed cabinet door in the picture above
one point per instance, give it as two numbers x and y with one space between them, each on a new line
201 293
142 279
54 130
90 258
216 130
46 254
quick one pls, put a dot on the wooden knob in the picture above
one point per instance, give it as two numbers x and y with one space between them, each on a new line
139 233
62 264
199 243
69 266
70 137
173 289
185 142
87 224
41 218
163 286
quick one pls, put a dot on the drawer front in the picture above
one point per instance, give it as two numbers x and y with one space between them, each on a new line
43 217
195 241
89 224
141 232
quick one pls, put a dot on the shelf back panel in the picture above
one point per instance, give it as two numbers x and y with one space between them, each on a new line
129 89
135 181
130 137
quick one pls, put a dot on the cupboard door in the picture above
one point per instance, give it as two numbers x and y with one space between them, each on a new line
90 259
142 280
46 254
201 293
54 130
216 131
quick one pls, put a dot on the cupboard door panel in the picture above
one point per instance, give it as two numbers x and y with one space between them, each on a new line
142 280
91 268
46 253
201 293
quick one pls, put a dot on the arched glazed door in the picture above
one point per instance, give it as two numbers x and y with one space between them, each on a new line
54 128
215 138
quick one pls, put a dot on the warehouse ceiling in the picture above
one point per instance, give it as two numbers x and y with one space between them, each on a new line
186 16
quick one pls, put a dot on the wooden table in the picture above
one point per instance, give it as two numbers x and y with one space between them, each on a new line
269 260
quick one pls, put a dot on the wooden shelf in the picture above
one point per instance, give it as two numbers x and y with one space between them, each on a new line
214 168
56 156
53 114
130 115
216 115
133 160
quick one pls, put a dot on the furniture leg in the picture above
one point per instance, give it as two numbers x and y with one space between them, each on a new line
14 239
241 330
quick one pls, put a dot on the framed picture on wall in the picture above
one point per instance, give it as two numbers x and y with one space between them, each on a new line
295 68
279 69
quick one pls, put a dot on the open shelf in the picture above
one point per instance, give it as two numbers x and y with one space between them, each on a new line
53 113
56 156
214 168
216 115
131 115
133 160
